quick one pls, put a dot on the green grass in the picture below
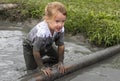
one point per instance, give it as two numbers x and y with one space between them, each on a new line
99 20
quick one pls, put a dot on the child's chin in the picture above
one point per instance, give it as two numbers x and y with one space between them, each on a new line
57 30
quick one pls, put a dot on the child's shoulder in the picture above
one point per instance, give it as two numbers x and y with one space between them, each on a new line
42 28
42 24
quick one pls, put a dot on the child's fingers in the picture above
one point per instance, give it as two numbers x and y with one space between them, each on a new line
47 71
61 68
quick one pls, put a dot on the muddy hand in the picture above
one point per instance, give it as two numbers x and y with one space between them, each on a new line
61 67
47 71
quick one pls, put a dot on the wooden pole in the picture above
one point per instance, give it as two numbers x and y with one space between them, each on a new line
81 63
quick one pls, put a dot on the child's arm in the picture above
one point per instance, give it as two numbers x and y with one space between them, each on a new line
61 67
61 53
38 59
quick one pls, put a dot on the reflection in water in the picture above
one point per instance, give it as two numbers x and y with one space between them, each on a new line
12 66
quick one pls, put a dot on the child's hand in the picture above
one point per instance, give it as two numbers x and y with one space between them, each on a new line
61 67
47 71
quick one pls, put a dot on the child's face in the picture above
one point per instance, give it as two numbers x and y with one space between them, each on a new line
56 23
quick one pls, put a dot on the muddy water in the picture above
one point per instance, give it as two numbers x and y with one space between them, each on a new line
12 66
106 70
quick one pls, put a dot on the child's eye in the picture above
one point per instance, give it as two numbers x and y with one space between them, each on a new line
63 21
57 21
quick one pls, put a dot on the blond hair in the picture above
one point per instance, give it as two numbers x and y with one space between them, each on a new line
53 8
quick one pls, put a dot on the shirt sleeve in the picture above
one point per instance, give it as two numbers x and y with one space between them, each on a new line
60 40
38 43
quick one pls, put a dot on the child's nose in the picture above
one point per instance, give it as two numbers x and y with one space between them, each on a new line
60 24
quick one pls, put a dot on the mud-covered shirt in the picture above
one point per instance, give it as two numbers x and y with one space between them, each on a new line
41 37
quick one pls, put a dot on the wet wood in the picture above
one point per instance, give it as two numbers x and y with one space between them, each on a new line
81 63
7 6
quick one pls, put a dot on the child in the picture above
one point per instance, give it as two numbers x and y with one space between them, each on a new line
40 40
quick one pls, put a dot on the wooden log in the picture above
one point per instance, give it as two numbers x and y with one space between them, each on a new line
81 63
7 6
